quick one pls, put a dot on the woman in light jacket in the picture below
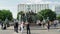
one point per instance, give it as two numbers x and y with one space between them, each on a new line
22 27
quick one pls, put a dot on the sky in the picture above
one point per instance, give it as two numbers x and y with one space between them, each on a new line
12 4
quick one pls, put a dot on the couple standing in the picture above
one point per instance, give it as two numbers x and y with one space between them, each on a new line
27 27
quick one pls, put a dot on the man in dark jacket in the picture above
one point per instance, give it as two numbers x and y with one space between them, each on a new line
29 20
16 26
1 22
28 28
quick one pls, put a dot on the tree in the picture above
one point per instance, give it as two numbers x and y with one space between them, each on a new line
25 17
20 13
1 15
32 16
47 13
5 14
39 17
58 17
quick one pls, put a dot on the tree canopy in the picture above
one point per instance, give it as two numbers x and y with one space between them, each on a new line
47 13
20 13
5 14
25 17
58 17
43 14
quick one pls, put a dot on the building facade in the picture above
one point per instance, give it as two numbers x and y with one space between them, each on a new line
57 10
33 7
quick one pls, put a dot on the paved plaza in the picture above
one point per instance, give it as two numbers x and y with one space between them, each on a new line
32 32
10 30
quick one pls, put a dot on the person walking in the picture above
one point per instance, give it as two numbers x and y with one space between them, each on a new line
16 26
56 23
1 25
48 26
48 23
5 24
